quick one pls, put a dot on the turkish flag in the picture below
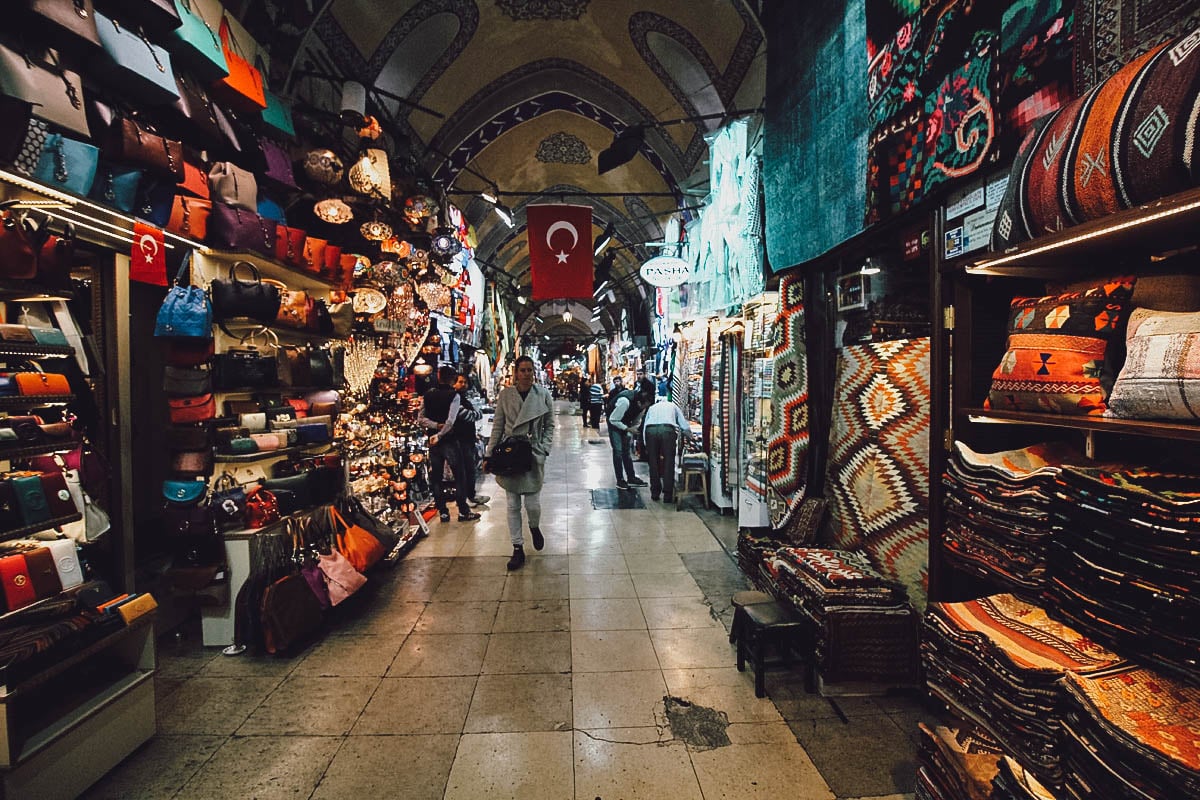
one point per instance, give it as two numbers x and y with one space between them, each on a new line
148 255
560 251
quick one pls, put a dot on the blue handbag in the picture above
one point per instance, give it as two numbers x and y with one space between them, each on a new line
184 492
135 64
68 164
277 116
185 311
269 209
196 44
116 186
315 433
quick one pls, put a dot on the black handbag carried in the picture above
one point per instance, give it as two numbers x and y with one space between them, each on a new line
235 297
512 456
245 367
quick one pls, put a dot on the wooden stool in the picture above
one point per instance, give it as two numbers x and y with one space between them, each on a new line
766 625
690 476
739 601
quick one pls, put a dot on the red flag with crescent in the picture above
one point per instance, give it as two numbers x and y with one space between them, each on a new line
560 251
148 255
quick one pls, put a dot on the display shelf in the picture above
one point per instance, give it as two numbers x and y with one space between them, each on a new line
41 449
10 692
308 450
57 522
234 323
1135 427
35 400
35 350
294 277
30 292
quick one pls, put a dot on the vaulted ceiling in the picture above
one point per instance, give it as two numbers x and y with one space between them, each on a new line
524 94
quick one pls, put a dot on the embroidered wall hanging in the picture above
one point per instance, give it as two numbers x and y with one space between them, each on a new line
787 451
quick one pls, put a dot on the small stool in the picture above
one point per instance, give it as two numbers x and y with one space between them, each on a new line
693 480
739 601
766 625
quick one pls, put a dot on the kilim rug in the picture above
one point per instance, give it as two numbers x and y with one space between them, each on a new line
1110 33
878 474
787 451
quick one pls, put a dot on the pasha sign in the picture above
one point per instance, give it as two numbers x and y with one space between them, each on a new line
666 271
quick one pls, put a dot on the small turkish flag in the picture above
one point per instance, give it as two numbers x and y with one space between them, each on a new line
148 255
560 251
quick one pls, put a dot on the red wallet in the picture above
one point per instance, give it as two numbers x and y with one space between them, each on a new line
18 587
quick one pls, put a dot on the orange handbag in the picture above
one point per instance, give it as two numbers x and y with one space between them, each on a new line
41 383
189 217
348 263
195 180
183 410
332 268
360 548
295 307
314 254
289 245
243 88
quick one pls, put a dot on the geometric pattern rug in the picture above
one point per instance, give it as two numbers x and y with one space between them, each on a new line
878 475
788 437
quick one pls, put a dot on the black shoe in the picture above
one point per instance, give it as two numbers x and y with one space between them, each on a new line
653 497
518 558
637 482
668 498
622 485
539 541
470 516
480 500
444 515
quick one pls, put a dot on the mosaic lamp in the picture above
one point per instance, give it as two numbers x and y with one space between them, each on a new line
333 210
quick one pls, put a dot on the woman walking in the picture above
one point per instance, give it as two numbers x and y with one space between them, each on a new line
523 409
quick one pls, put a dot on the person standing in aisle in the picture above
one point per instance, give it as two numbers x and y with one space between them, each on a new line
523 409
623 421
464 434
662 426
596 404
585 398
439 411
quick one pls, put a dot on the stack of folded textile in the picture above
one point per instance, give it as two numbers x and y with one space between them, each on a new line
865 628
753 548
1014 782
1125 566
956 764
1131 733
997 662
998 519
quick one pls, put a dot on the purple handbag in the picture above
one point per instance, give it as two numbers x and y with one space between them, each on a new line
279 165
316 581
232 228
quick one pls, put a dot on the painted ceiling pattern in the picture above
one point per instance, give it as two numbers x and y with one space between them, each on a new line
563 148
543 9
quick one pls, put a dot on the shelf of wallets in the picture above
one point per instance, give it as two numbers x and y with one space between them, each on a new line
1063 523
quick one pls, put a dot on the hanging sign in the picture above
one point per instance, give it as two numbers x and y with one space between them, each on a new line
666 271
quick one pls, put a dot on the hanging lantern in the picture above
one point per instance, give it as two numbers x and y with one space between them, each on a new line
397 247
370 175
333 211
445 245
323 166
418 208
372 130
375 230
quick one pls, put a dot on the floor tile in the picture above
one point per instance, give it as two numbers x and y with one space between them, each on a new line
470 589
694 543
647 544
351 656
263 767
763 761
477 566
510 653
606 614
311 706
213 705
668 563
437 654
513 703
614 586
588 564
526 586
684 648
533 615
632 763
366 767
467 617
248 665
529 766
724 689
872 756
157 769
609 651
418 705
660 585
678 612
619 699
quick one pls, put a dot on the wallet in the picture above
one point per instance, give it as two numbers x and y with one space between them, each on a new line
31 500
66 562
58 497
18 588
42 572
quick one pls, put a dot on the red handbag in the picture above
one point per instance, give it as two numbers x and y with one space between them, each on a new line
18 586
314 254
332 269
35 384
184 410
187 352
243 88
18 259
289 245
189 216
261 507
195 180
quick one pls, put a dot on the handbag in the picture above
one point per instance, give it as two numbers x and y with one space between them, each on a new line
320 368
295 309
58 497
290 612
294 366
31 500
313 434
242 89
313 256
189 217
156 16
188 352
354 542
246 367
188 437
195 43
207 124
55 260
233 186
278 163
254 422
183 410
50 337
116 186
261 507
272 210
192 462
184 492
341 578
289 245
38 77
18 588
228 502
236 297
71 23
266 442
135 64
68 164
41 384
130 142
233 228
241 446
17 333
186 312
512 456
15 116
332 271
18 257
186 381
195 180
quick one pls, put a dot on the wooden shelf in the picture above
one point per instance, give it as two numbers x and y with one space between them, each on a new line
35 400
35 350
40 449
306 449
78 657
1133 427
57 522
294 277
234 323
32 292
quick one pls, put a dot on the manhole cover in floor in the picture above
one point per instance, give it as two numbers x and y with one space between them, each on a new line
699 726
617 498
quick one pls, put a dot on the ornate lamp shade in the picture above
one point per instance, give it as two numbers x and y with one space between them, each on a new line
334 211
397 247
370 175
324 166
375 230
445 245
418 208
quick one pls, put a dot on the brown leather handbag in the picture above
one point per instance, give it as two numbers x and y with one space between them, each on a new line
130 143
295 309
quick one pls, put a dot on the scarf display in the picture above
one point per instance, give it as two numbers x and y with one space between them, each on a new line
878 473
730 400
788 434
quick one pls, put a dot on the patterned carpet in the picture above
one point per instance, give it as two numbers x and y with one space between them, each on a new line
787 453
878 473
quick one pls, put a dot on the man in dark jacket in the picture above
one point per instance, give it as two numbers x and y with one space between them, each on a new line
623 422
464 434
439 411
595 404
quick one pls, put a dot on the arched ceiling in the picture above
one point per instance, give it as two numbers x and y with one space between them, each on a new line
527 93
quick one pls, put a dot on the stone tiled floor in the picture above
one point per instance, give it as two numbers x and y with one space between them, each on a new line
449 677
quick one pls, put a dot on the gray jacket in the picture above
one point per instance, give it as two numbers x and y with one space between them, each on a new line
532 417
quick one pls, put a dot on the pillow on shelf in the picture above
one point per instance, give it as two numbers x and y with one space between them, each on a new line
1062 350
1161 376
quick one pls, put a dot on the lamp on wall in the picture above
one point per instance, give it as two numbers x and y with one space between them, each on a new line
628 142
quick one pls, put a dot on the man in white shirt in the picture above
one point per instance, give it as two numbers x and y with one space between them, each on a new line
661 428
